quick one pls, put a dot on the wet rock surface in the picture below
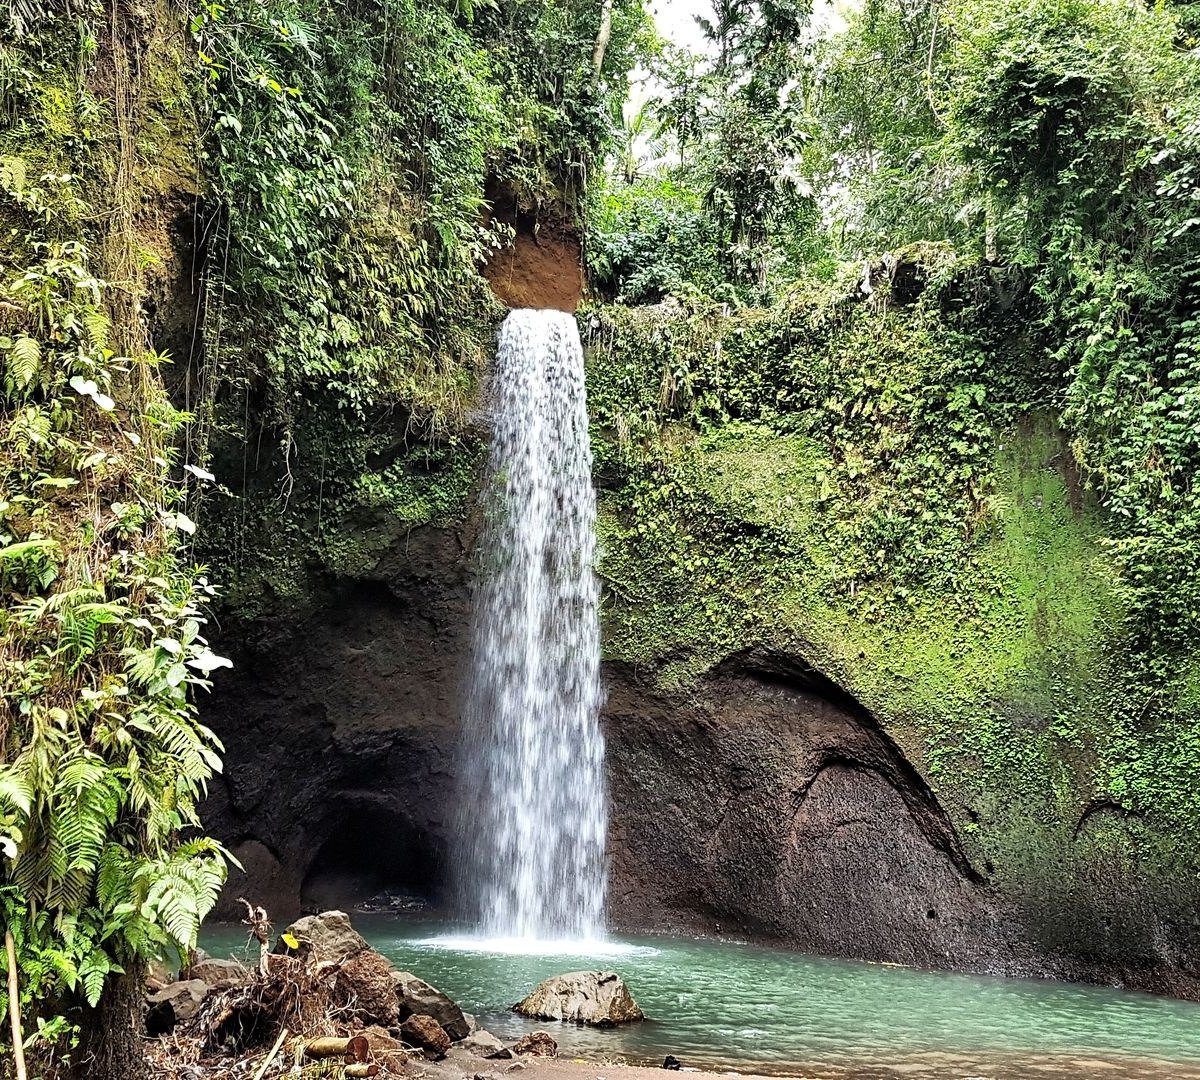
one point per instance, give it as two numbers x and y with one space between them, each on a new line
789 814
595 998
340 732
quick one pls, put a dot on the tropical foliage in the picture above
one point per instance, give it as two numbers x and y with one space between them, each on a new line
1030 171
353 150
1030 168
102 756
729 201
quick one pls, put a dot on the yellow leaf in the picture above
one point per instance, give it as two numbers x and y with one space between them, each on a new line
290 941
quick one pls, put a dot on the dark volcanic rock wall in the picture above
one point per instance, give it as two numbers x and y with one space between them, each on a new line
340 737
773 805
770 804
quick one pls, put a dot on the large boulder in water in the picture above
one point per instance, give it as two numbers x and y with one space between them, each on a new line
596 998
325 937
418 998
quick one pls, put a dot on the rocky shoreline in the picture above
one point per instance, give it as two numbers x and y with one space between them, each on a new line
323 1003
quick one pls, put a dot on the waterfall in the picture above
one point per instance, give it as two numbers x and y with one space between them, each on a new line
535 807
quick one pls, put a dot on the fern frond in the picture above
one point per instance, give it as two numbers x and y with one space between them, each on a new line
24 363
98 326
12 174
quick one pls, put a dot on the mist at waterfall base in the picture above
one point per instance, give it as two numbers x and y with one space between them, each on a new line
532 797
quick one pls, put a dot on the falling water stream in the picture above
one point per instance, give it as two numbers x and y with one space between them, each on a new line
535 805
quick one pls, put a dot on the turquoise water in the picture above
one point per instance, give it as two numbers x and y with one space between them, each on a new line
717 1004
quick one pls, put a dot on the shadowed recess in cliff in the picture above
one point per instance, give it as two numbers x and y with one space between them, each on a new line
339 736
877 753
772 804
373 852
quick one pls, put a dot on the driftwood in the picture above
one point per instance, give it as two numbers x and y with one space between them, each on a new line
301 1007
260 927
262 1069
353 1050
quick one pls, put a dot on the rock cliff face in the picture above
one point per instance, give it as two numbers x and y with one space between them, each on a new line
764 802
773 805
340 736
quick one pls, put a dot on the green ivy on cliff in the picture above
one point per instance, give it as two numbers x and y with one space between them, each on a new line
102 756
346 318
978 507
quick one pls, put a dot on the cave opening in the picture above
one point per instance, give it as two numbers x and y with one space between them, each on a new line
374 857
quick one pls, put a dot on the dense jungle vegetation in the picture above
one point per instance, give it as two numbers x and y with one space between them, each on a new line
852 291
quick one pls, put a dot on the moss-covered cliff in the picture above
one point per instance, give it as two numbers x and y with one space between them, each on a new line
880 489
846 555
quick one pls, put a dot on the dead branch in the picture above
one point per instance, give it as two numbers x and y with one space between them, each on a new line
352 1050
260 927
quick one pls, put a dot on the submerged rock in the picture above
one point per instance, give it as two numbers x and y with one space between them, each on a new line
416 997
596 998
536 1044
427 1034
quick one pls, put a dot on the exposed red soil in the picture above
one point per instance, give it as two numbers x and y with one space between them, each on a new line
543 266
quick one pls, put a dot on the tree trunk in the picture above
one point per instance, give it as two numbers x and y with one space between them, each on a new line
603 37
110 1045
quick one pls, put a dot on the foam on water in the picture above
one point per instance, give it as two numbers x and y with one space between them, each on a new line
534 806
593 949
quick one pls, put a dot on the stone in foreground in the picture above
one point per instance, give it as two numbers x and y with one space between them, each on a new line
216 973
174 1003
595 998
425 1033
325 937
536 1044
485 1045
418 998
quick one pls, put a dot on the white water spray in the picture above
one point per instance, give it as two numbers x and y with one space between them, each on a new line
535 804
